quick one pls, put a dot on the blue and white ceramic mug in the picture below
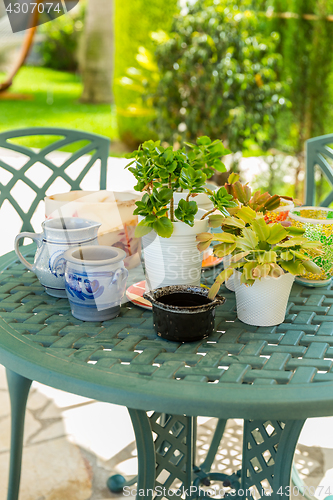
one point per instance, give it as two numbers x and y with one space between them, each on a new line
95 281
58 235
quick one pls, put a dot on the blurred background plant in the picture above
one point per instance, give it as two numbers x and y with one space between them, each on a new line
257 74
306 47
59 48
133 24
219 73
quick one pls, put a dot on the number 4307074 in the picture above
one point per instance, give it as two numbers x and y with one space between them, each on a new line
25 8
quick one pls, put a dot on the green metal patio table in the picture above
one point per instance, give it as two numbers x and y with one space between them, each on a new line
273 378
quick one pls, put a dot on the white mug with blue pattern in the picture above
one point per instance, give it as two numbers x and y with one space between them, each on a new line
95 281
58 236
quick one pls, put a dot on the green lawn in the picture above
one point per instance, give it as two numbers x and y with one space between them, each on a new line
54 103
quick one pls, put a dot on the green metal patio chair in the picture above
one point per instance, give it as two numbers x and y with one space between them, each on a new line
318 151
92 147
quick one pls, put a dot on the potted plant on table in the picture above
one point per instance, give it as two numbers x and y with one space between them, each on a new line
259 202
266 258
169 229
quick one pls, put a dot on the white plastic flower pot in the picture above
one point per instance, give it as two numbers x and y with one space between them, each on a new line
265 302
230 285
175 260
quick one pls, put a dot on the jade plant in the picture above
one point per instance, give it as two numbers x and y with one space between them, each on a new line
162 171
259 249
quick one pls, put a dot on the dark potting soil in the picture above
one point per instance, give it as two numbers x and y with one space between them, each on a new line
184 299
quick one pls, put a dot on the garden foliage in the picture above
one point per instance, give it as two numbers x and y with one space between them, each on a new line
306 46
59 49
219 76
133 23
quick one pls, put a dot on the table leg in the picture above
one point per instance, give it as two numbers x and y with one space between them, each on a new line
214 446
268 451
18 391
146 459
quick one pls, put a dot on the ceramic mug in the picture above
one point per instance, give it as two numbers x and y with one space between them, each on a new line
58 235
95 281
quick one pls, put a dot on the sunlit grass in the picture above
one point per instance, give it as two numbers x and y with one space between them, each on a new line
51 99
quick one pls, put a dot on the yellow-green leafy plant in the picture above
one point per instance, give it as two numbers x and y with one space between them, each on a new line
259 249
260 202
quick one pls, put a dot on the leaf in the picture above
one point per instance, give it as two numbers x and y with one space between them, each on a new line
293 267
249 240
286 255
233 177
246 281
204 237
276 271
213 291
224 249
241 193
164 195
163 227
221 198
261 228
239 256
203 245
272 203
311 267
277 233
261 271
142 229
216 220
222 277
246 214
203 141
224 237
295 242
233 222
161 212
295 231
315 245
299 255
186 211
267 257
168 155
219 165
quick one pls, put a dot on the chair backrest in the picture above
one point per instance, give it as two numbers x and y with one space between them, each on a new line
318 151
90 149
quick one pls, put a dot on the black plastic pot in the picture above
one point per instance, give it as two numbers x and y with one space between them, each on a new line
183 313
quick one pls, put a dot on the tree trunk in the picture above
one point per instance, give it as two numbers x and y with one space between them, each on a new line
96 58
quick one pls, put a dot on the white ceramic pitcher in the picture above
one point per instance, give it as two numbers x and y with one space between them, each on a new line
58 236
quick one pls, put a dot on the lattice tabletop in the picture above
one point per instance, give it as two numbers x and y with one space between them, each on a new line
239 371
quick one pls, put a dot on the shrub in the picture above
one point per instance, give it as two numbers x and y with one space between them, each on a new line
219 77
132 27
60 45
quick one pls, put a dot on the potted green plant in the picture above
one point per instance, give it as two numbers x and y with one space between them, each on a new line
169 229
242 193
266 258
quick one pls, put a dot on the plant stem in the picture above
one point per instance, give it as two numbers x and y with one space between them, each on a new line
208 213
188 196
172 218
